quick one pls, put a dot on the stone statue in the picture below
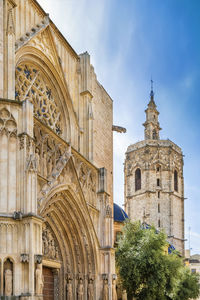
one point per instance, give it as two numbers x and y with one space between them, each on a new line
44 165
8 282
49 166
124 295
69 290
52 250
80 291
90 290
105 289
37 158
56 253
39 280
114 292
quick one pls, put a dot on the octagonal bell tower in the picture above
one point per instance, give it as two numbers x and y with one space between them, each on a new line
154 184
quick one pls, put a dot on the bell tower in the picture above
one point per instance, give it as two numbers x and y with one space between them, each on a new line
153 180
152 126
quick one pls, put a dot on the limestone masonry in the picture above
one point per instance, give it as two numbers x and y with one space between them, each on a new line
56 164
154 184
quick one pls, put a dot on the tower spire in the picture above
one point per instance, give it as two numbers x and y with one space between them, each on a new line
152 126
151 93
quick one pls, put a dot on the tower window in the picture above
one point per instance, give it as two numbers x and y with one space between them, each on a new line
159 207
154 135
175 181
137 179
159 223
159 194
158 182
158 168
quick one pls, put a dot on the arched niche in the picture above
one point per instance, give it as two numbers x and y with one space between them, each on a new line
8 275
77 247
8 167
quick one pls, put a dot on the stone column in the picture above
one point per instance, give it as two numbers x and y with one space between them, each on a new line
7 49
85 112
28 165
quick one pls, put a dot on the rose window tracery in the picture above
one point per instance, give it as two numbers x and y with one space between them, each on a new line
31 84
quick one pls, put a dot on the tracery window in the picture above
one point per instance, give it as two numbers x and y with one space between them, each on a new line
137 179
31 84
175 181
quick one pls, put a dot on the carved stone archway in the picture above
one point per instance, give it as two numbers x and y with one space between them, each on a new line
67 242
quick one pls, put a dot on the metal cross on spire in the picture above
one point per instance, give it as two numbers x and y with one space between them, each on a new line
152 92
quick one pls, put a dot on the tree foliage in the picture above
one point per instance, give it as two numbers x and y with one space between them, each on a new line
147 271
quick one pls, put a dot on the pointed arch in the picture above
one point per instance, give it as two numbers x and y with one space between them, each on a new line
138 179
30 55
176 180
72 227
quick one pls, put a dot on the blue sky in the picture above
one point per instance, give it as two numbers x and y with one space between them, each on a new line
130 41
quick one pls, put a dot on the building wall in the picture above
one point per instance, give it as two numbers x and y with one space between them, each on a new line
56 161
142 205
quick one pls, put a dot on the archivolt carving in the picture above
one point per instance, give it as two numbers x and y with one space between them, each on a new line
50 245
41 41
31 84
51 158
73 221
48 152
88 181
8 125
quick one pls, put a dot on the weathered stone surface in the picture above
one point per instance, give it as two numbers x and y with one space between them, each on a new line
55 136
157 201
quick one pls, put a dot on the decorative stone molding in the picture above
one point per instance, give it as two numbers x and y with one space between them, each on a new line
88 181
31 84
10 23
17 215
105 276
34 31
114 276
8 124
24 258
31 164
38 258
50 244
69 276
118 129
108 211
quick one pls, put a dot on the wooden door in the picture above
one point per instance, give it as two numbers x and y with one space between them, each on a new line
48 290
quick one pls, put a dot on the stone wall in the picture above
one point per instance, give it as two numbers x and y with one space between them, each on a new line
156 203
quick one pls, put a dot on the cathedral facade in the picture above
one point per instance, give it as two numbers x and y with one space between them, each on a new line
56 164
154 184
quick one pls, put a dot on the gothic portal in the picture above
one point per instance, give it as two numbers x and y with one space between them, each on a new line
56 199
153 174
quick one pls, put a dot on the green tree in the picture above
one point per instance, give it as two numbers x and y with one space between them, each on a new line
146 271
187 285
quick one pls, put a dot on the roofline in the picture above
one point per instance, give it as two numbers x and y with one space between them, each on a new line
56 28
